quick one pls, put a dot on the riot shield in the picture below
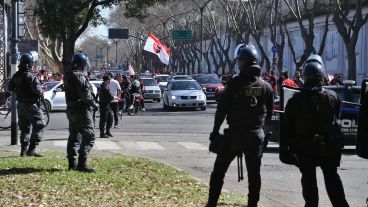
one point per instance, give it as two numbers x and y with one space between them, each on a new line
286 94
362 139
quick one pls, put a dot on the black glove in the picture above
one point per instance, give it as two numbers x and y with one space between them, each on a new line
289 158
95 106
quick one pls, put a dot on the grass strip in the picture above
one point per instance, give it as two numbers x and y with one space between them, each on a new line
119 181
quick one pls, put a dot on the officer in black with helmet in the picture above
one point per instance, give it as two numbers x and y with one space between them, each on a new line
28 90
312 137
245 104
80 103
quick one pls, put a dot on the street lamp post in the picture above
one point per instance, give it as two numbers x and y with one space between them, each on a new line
274 58
14 60
201 10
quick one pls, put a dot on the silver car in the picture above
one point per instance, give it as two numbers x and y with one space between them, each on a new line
184 94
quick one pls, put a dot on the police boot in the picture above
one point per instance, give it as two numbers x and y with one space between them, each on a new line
23 150
108 133
82 165
33 152
72 163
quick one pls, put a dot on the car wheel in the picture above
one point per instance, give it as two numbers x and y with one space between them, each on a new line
48 105
203 108
158 100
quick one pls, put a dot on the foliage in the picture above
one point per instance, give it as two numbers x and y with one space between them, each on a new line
119 181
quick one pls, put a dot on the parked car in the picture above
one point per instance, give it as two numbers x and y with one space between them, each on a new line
54 95
182 77
162 81
211 84
349 113
151 89
184 94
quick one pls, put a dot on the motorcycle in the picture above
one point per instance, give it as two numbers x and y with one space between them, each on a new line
136 105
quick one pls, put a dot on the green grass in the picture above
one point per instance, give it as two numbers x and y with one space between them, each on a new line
119 181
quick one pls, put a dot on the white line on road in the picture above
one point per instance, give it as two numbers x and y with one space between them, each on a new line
130 145
150 146
107 145
193 146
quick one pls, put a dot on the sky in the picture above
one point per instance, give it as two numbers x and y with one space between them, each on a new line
101 30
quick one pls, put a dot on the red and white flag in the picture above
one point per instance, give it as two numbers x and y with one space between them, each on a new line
155 49
130 69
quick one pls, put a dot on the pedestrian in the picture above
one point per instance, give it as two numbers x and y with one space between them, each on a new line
287 81
125 88
245 103
273 80
105 99
312 138
298 80
28 89
115 91
80 104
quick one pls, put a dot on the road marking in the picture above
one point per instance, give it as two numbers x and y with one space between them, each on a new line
150 146
60 143
193 146
107 145
130 145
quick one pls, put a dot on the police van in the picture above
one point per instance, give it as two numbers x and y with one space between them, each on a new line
349 96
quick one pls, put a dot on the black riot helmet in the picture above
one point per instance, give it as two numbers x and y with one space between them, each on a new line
79 61
26 61
248 58
314 75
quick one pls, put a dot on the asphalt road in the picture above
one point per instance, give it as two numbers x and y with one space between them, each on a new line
180 138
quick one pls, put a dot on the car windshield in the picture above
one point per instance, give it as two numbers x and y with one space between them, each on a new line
185 85
162 79
210 79
149 82
49 85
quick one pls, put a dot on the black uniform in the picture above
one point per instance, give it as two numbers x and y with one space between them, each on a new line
28 90
245 103
106 118
313 137
79 101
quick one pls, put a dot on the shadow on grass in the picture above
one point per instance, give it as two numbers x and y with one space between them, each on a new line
23 171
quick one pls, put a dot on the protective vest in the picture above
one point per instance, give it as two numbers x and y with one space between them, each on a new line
24 83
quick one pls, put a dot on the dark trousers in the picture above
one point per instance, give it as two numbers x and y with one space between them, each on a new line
80 122
223 160
334 187
105 118
115 110
30 116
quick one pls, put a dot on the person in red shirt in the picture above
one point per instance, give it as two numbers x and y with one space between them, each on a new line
287 81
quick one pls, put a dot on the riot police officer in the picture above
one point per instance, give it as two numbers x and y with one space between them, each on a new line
245 104
312 135
28 90
80 103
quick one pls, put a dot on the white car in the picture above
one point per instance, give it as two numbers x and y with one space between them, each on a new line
184 94
151 89
162 81
54 95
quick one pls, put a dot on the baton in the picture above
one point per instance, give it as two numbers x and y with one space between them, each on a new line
240 167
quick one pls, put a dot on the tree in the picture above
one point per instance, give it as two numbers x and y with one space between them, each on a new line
307 10
66 20
349 26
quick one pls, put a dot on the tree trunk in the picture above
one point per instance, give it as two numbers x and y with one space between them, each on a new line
68 52
350 50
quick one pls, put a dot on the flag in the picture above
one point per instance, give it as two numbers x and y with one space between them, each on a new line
156 50
130 69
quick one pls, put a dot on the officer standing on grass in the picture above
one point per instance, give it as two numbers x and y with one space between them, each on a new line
245 104
312 137
28 90
80 103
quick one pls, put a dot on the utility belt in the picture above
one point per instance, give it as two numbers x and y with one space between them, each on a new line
326 145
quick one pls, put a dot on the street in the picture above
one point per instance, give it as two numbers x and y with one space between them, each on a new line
180 139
